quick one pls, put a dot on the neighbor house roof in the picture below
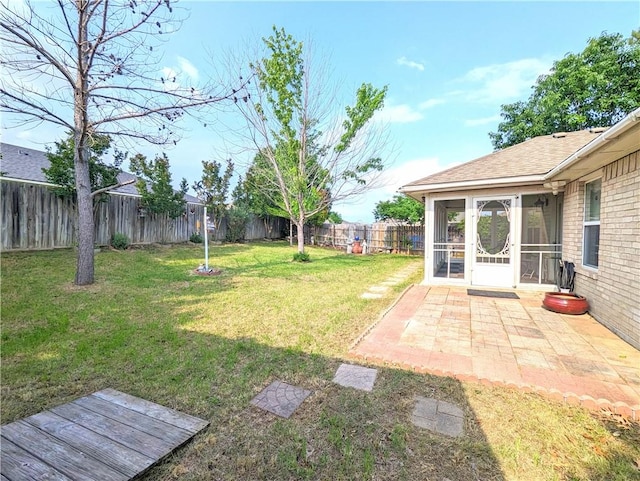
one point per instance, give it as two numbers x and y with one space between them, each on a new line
527 161
26 164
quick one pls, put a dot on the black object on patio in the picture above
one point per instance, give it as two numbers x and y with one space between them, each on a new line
501 294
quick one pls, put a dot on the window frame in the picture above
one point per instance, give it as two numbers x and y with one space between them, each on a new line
590 223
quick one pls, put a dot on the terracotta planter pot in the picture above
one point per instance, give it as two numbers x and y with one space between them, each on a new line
565 303
357 247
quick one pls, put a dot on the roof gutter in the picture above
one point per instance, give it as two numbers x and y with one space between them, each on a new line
604 138
449 186
27 181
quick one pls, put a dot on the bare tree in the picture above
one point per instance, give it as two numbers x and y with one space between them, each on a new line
308 153
91 66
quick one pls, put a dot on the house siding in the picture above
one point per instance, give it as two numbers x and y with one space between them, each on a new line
611 289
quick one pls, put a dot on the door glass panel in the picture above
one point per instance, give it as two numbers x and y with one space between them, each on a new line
540 247
448 239
493 243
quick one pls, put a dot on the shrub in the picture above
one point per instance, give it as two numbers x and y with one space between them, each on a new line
301 257
119 241
237 217
196 238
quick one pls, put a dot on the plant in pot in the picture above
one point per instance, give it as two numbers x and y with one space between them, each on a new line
567 276
566 301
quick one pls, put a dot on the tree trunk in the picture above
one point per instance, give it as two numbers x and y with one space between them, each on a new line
290 233
85 265
300 230
85 268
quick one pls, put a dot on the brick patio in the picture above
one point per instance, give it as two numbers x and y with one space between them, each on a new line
515 342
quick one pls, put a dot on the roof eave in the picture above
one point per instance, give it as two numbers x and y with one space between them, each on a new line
110 192
596 144
413 190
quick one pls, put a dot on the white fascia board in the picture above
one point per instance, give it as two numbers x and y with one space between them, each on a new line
124 194
110 192
610 134
467 184
26 181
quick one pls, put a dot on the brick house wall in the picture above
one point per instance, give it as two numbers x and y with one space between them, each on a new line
613 289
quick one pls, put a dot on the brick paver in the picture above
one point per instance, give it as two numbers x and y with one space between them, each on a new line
513 342
358 377
438 416
280 398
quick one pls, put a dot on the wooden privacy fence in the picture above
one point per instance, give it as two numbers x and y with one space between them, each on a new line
379 237
33 217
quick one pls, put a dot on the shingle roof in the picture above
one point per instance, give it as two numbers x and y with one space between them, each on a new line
535 156
27 164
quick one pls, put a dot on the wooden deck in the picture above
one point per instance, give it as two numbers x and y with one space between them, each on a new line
108 435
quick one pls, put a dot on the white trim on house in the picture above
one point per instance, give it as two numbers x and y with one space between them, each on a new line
110 192
454 186
596 144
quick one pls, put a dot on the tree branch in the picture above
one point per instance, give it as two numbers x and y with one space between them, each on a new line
111 187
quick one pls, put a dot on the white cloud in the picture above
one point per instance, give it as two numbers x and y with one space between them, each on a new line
427 104
481 121
188 68
169 74
398 114
360 209
504 82
399 175
410 63
180 76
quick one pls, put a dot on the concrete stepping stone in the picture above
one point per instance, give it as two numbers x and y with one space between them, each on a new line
358 377
371 295
397 278
280 398
378 289
438 416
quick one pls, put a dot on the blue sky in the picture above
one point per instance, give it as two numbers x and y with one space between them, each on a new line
448 66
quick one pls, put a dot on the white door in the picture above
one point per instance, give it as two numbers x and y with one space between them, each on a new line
493 234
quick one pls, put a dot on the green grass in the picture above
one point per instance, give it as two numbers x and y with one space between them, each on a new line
208 345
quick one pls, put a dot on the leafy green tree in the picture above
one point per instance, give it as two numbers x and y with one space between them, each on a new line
154 185
594 88
335 218
237 218
309 155
212 189
103 177
264 198
240 211
261 195
400 209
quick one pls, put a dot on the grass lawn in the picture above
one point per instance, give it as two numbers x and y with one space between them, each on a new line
208 345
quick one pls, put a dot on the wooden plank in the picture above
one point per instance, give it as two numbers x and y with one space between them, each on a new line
168 415
105 450
16 464
136 420
114 430
64 458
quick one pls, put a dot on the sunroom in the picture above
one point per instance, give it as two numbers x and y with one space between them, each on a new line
494 221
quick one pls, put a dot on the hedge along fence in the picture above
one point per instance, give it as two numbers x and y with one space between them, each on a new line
256 228
33 217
